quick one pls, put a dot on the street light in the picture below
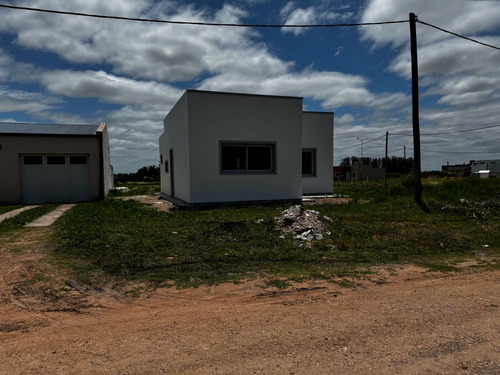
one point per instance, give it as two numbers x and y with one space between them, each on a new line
361 169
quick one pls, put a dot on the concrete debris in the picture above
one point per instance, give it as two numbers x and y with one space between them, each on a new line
304 225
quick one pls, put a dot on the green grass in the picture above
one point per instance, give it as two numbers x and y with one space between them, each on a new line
122 240
25 217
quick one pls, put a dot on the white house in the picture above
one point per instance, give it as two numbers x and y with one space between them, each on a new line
53 163
485 168
227 147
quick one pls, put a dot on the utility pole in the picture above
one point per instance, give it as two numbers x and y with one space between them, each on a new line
361 165
404 154
386 157
415 111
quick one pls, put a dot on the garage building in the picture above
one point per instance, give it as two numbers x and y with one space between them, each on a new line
42 163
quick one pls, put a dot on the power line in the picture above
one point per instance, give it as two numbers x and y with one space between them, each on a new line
460 36
197 23
459 152
359 144
430 134
381 156
452 132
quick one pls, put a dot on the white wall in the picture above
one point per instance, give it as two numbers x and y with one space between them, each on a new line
107 168
491 165
216 117
317 133
176 137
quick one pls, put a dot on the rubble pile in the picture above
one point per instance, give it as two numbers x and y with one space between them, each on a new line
306 225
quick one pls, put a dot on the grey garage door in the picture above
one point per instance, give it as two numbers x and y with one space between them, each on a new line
55 178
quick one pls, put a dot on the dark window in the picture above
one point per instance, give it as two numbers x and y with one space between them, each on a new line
166 166
56 160
251 157
234 158
161 158
308 162
77 159
259 158
32 160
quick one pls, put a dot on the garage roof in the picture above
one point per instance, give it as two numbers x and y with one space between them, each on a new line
49 129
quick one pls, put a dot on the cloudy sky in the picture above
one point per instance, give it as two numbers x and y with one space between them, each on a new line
74 70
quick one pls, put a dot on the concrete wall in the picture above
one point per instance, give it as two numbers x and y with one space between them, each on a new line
176 138
216 117
12 146
107 169
317 134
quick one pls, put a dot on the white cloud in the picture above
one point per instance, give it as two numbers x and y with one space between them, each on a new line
293 15
18 100
162 52
109 88
331 89
461 16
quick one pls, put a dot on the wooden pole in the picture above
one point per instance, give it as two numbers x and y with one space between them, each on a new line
386 157
415 110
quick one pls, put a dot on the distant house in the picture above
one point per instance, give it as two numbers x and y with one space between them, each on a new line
54 163
357 171
457 170
488 168
227 147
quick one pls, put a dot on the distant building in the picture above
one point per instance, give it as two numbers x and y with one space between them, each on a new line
491 168
356 172
457 170
342 173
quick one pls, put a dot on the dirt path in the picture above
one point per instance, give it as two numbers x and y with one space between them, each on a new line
414 323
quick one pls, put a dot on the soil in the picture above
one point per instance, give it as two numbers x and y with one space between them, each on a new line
404 321
155 201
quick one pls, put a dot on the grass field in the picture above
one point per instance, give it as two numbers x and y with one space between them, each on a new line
117 240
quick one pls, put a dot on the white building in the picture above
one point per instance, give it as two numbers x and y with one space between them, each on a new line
485 168
227 147
54 163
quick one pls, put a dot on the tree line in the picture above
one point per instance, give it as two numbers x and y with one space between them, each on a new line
394 164
148 173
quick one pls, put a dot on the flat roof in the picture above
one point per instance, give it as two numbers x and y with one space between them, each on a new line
47 129
242 93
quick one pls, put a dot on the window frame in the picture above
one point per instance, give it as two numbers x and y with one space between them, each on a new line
247 144
314 162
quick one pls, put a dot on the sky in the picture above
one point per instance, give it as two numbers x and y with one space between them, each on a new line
77 70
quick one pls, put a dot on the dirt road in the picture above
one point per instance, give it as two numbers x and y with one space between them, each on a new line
412 323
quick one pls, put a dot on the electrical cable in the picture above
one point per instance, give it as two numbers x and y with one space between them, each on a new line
198 23
458 35
446 133
364 143
459 152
